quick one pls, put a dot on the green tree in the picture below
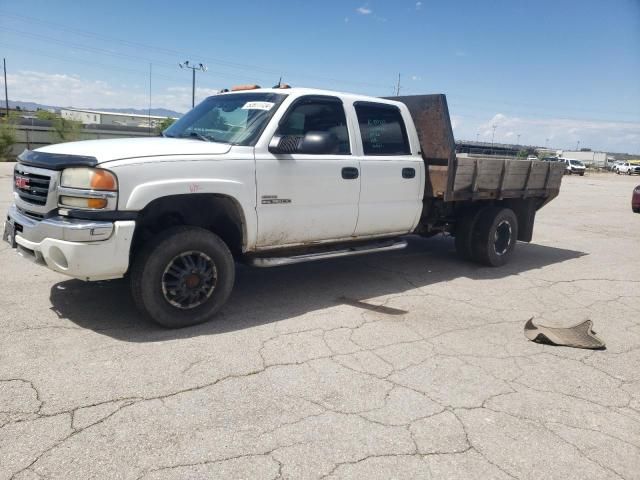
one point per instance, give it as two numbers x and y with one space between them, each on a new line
45 115
65 130
8 136
164 124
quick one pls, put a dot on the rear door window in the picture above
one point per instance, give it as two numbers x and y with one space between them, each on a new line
382 129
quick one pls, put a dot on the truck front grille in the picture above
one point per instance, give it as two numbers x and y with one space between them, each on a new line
32 188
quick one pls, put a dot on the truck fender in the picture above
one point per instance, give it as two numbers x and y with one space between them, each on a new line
142 195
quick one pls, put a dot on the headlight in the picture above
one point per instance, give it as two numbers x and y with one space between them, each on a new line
89 178
88 188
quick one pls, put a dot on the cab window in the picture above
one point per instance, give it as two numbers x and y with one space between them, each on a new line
382 129
317 114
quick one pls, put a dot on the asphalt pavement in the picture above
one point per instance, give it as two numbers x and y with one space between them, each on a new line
409 364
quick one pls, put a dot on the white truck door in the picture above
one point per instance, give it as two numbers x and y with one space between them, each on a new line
308 197
392 176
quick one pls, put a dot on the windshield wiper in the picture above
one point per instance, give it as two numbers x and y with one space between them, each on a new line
196 135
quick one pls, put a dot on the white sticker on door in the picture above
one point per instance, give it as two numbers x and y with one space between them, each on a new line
258 106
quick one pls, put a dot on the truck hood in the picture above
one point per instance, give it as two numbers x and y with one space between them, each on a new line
120 148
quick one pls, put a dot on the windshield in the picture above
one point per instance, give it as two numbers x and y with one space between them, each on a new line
576 162
237 119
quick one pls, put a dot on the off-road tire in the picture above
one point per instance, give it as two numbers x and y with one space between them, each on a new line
151 262
489 248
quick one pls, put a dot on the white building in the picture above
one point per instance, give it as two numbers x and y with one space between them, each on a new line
96 117
596 159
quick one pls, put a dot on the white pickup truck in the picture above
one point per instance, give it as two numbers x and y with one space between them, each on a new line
269 177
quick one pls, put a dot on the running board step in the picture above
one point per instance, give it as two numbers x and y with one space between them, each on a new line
342 252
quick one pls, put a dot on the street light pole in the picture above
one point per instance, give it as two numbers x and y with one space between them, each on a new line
6 94
193 68
493 137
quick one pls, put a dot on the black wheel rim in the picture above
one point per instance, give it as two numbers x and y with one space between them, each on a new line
189 280
502 238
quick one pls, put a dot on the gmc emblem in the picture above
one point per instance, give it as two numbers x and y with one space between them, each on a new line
22 182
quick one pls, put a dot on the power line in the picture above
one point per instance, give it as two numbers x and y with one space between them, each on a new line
40 53
171 52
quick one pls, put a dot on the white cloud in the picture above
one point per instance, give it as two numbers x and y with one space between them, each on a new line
563 133
364 10
72 90
416 77
418 5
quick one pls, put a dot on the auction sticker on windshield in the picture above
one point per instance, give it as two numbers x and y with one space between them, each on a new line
258 106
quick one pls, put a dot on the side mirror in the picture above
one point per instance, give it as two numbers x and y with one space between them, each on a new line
313 143
318 143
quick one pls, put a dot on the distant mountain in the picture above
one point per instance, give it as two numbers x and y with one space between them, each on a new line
160 112
30 105
33 106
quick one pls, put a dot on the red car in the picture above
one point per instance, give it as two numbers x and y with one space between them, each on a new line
635 200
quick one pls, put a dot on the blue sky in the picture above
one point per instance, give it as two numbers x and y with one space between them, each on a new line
561 70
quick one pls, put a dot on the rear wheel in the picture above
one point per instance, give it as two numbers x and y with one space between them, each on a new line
183 277
494 236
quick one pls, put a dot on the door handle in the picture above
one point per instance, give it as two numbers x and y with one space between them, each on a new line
408 172
350 173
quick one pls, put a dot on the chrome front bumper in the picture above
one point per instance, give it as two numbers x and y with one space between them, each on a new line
84 249
62 228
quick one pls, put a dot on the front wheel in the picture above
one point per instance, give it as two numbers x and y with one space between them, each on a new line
183 277
494 236
582 174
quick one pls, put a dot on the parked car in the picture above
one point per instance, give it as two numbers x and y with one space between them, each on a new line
628 168
573 167
269 177
616 164
635 199
532 157
610 165
550 159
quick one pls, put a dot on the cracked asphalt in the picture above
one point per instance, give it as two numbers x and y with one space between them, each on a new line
411 364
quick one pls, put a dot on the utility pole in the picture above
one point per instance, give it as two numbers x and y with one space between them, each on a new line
398 87
578 146
546 142
6 94
477 137
149 119
493 137
193 68
518 139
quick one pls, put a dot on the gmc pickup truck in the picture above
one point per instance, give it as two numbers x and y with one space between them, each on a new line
270 177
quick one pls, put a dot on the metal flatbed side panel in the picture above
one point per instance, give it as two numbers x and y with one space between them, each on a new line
488 178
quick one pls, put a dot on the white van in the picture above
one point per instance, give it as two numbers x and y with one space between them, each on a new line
573 166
